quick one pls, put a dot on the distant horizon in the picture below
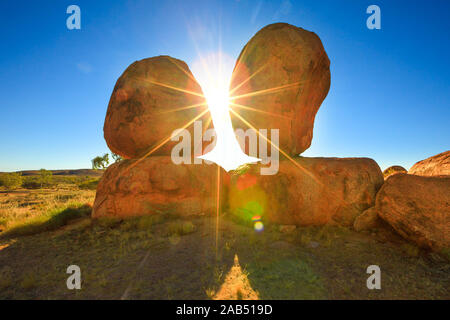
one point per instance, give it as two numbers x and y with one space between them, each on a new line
389 97
74 169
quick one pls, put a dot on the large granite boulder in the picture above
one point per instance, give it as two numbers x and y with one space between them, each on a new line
438 165
148 103
308 191
284 73
418 208
155 185
393 170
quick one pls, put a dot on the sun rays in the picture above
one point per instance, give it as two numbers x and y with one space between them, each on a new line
230 105
222 105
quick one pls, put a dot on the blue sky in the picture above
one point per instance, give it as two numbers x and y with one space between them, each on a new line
390 89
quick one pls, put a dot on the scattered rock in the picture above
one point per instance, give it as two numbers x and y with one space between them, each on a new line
418 208
155 185
367 220
287 228
142 111
438 165
309 191
294 61
393 170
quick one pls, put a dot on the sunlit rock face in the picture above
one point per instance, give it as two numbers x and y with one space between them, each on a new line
294 61
311 191
393 170
156 185
438 165
418 208
142 111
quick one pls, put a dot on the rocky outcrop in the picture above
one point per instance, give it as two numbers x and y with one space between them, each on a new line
438 165
367 220
418 208
306 191
393 170
279 82
151 99
156 185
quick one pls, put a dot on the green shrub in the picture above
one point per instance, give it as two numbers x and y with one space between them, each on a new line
11 180
45 177
31 182
90 184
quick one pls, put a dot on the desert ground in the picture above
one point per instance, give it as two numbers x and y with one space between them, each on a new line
168 257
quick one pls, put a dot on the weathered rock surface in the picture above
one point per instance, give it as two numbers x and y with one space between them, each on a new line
292 60
367 220
438 165
155 185
142 111
393 170
313 191
418 208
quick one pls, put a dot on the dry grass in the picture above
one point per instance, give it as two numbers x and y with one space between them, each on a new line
21 206
168 257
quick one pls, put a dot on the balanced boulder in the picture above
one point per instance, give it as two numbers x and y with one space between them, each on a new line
154 185
418 208
306 191
438 165
279 82
151 99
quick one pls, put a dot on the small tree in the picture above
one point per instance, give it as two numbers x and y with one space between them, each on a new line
100 162
11 180
116 157
45 177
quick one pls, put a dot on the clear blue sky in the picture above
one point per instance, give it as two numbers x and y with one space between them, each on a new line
390 88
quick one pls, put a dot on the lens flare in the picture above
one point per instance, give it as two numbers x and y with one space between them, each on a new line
259 226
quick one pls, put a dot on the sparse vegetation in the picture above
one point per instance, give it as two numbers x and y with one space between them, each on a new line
90 184
100 162
163 256
47 222
45 177
11 180
180 228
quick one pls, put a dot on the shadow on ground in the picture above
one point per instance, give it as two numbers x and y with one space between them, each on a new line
171 258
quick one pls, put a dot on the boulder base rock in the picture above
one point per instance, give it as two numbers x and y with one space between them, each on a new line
156 185
393 170
438 165
147 104
283 73
367 220
311 191
418 208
